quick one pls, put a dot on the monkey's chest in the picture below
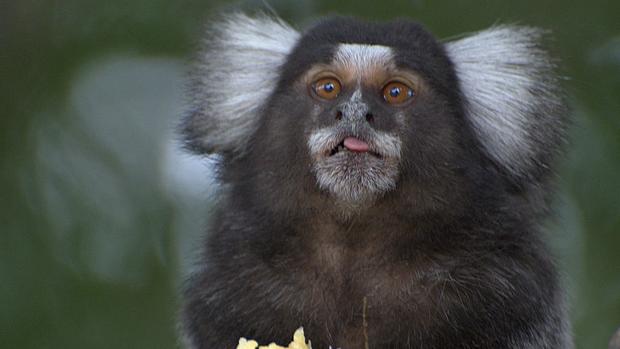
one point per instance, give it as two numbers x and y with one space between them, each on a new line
353 275
350 299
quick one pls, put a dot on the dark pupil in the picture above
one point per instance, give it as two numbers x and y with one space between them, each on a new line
328 87
395 91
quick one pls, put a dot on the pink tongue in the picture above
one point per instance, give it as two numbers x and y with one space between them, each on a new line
356 145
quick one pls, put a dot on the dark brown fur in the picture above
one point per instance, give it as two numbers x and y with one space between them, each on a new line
451 258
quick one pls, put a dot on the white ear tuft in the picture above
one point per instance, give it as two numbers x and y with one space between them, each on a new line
511 96
237 71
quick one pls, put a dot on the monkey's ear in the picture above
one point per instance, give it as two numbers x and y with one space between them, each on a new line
236 72
512 97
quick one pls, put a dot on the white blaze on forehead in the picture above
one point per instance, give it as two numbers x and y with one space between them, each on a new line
363 57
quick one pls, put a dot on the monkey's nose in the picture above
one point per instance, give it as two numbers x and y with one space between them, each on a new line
338 115
370 117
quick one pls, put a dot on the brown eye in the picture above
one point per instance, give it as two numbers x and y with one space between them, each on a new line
397 93
327 88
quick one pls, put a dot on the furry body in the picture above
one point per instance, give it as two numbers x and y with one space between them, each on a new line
437 226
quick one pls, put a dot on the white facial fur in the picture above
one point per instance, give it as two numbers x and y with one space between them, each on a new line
356 178
236 74
511 94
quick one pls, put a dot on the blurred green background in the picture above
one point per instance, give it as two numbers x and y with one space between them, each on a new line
100 212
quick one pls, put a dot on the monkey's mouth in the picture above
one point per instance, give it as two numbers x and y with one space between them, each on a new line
355 166
353 146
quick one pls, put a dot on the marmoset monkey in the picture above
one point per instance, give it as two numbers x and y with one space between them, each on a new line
370 163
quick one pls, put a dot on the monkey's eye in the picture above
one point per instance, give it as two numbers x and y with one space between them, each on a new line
327 88
396 92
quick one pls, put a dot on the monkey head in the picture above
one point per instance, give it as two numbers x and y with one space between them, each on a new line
352 112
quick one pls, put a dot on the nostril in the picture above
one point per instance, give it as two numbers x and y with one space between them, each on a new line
338 115
370 117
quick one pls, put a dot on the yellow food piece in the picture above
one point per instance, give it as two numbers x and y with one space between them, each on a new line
246 344
299 342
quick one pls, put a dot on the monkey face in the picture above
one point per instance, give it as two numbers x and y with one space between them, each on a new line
359 105
375 112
